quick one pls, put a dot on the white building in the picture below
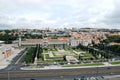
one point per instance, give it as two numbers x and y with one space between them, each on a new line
2 42
71 59
76 42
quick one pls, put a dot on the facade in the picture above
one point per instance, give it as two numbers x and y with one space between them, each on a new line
76 42
78 38
47 42
75 38
60 42
64 38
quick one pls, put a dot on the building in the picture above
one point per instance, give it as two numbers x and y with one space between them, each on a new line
78 38
71 59
5 51
2 42
60 42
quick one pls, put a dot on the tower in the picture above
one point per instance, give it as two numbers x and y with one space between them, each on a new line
35 62
19 44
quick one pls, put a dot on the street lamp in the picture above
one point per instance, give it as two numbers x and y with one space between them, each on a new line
97 61
8 75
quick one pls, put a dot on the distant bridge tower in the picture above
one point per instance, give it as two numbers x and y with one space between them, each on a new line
35 62
19 44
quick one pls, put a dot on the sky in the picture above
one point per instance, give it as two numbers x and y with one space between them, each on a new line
41 14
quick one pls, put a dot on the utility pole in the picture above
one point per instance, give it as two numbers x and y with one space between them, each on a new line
19 41
97 62
8 75
35 62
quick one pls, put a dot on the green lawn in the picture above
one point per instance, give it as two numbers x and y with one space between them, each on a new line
114 63
45 51
61 55
87 55
68 53
79 50
47 56
46 61
83 65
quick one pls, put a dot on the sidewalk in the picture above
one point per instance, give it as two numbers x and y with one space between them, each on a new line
112 77
4 63
60 67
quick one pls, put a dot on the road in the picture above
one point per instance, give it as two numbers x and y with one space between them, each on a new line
66 72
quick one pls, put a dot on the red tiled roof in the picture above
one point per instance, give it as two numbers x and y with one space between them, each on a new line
46 39
32 40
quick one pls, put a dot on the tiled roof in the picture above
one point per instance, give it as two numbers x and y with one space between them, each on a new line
31 40
46 39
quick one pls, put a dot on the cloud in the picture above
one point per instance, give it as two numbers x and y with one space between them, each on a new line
111 17
5 26
114 14
59 13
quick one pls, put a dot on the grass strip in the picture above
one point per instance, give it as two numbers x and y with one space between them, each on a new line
78 65
114 63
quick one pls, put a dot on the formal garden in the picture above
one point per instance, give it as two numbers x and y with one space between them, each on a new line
67 55
40 57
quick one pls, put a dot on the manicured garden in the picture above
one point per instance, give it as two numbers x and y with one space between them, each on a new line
56 55
59 54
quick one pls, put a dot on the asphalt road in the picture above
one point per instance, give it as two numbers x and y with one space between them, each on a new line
56 73
43 78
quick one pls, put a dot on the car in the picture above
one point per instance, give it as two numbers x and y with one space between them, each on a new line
93 78
108 68
32 79
78 62
99 77
111 73
77 78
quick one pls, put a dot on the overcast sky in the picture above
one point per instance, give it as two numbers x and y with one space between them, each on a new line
59 14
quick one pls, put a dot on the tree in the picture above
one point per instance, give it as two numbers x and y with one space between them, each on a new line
8 38
64 57
30 55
